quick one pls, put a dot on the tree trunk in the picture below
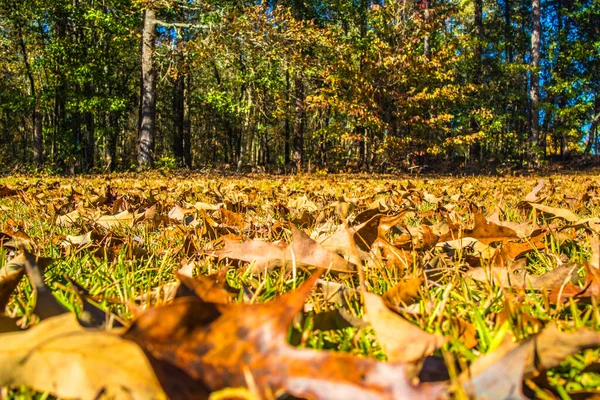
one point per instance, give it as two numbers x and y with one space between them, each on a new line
535 75
38 149
146 134
508 40
90 145
187 132
299 123
287 126
593 127
111 138
478 33
477 149
38 138
178 118
426 44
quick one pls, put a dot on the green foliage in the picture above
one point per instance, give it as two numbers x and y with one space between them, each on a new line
362 84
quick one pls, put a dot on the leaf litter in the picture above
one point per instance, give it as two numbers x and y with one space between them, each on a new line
412 278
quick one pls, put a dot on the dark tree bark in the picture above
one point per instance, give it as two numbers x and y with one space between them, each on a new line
187 128
90 145
535 75
478 32
38 146
299 122
476 150
110 155
287 125
178 118
508 39
146 133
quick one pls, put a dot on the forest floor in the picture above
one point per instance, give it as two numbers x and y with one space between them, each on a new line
416 286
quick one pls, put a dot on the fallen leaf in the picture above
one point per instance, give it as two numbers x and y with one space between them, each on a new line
70 219
521 279
222 347
60 357
499 374
482 250
532 197
590 289
305 251
403 292
264 255
302 251
212 288
124 218
563 213
483 230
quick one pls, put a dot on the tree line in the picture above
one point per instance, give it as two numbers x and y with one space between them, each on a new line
99 85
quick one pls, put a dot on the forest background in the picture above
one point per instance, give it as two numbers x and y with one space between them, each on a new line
312 85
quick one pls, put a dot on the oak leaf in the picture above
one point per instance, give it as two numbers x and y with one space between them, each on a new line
60 357
226 345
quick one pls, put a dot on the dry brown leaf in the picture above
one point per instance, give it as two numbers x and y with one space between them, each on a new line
532 197
233 219
60 357
521 279
124 218
263 255
394 257
563 213
484 231
212 288
481 250
302 251
552 346
221 346
70 219
403 292
499 374
305 251
180 214
512 250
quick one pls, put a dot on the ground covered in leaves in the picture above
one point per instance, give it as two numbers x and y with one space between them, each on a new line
321 288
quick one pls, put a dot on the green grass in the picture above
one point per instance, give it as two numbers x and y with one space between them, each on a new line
114 277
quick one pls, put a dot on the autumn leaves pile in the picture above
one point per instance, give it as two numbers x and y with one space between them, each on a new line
470 289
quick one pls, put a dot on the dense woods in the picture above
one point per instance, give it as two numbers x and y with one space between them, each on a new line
99 85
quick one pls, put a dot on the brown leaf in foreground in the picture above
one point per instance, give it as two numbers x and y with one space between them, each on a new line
60 357
499 374
226 345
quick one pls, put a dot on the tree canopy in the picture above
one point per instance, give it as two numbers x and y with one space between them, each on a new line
287 85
